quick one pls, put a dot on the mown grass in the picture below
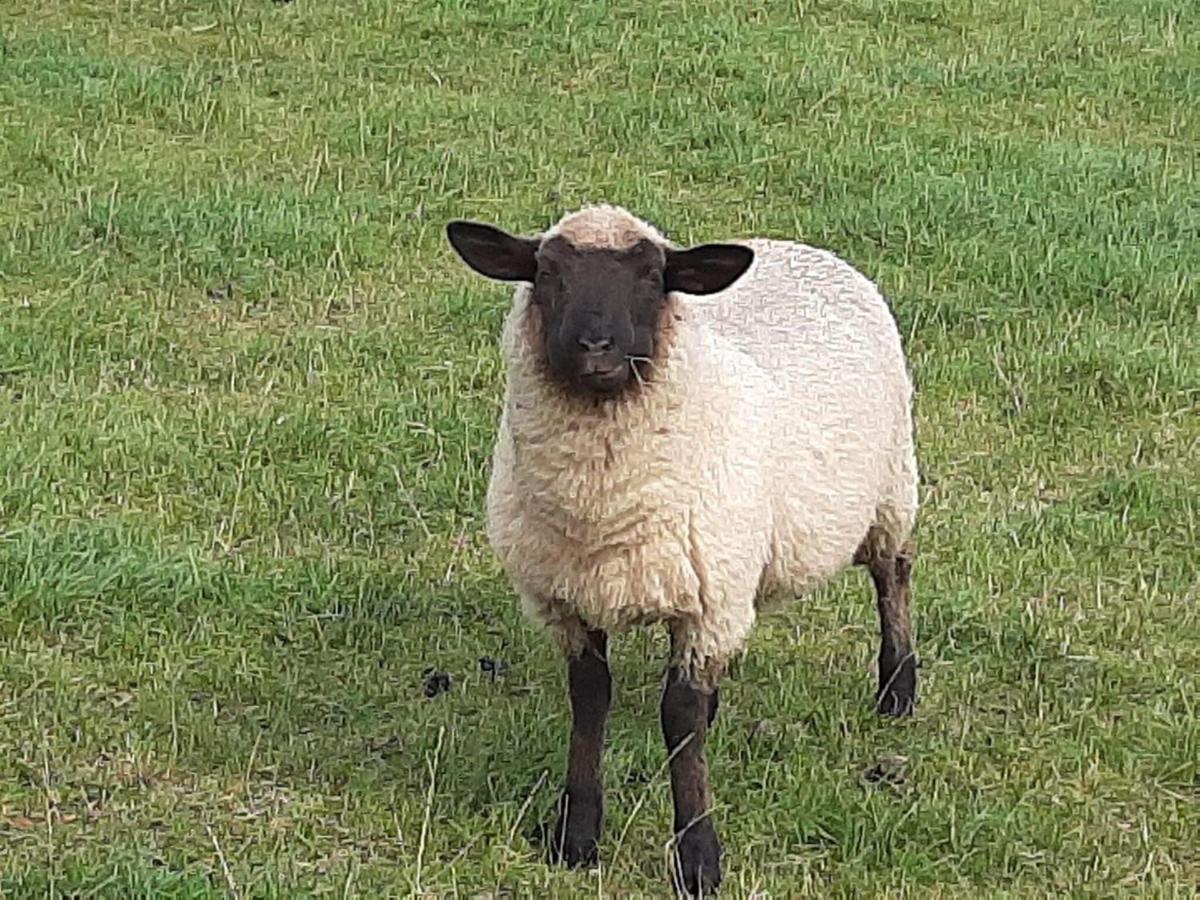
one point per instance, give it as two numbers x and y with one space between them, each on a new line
247 398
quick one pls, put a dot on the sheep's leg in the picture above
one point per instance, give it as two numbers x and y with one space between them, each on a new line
687 710
577 833
897 663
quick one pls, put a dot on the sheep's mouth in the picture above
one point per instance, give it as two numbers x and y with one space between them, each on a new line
605 381
602 381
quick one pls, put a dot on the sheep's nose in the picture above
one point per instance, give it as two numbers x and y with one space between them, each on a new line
596 345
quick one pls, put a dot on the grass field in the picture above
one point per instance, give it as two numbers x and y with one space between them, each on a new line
247 398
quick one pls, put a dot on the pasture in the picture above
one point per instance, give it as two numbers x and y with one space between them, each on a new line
248 395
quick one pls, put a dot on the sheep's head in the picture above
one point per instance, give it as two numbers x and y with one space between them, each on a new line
600 281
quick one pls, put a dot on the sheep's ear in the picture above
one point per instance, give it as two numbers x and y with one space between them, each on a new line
492 252
707 268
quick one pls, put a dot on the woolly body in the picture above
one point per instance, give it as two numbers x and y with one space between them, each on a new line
770 445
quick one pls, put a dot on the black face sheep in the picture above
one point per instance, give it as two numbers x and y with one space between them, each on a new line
665 456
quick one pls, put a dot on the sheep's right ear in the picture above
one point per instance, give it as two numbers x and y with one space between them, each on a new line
492 252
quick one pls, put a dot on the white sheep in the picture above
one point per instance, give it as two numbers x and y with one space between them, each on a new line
667 457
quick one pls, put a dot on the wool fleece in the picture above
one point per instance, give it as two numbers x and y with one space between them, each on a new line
770 445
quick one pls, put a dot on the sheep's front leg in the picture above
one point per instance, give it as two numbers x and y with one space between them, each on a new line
687 711
576 836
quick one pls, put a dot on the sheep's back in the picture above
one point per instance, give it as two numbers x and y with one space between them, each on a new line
802 313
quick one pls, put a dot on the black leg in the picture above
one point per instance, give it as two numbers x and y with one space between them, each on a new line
686 711
897 663
575 840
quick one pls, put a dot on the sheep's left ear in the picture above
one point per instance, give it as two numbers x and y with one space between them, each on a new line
707 268
492 252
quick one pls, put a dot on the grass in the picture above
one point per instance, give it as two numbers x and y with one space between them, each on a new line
247 398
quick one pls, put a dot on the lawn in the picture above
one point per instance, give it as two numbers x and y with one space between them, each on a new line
248 395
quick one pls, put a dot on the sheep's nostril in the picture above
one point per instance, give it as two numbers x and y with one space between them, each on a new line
596 346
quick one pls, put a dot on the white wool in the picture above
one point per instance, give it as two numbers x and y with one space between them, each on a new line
604 227
776 432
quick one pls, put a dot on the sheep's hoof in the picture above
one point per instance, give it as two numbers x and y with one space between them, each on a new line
575 840
898 691
696 867
574 851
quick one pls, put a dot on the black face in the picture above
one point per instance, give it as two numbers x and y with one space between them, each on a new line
600 309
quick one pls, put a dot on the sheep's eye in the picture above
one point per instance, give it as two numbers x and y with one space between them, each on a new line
652 276
545 286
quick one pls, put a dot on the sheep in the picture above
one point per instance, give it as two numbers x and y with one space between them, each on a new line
686 436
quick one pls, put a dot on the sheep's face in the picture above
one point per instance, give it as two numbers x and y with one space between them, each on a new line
600 310
600 307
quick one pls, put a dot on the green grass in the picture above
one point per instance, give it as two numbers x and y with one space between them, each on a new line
238 526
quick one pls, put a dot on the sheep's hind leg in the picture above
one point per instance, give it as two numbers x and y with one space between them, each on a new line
892 575
576 836
688 708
